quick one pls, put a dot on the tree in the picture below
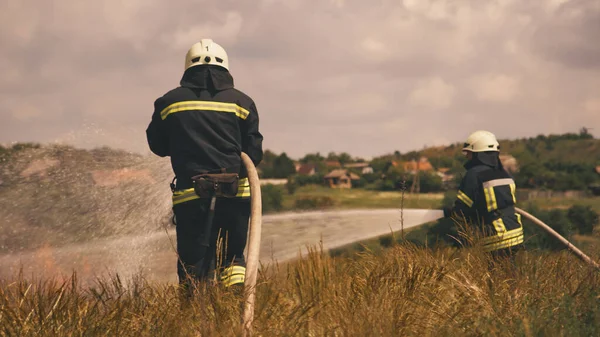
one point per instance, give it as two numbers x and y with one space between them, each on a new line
283 166
344 158
312 158
332 156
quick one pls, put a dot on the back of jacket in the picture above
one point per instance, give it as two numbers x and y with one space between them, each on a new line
204 125
487 198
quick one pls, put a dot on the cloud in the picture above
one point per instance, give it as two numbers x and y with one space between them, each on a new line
349 75
592 105
495 87
225 32
433 94
570 33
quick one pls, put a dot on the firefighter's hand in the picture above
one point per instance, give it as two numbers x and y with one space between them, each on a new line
447 212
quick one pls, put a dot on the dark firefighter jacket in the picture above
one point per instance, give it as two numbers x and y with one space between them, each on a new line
486 198
204 125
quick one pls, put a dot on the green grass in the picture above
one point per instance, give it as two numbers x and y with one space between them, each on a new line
549 203
402 291
361 198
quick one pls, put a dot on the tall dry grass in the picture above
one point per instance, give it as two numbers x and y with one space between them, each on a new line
403 291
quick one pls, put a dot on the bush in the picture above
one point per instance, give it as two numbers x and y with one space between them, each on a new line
291 186
583 218
385 185
537 238
313 202
360 183
302 180
430 182
272 198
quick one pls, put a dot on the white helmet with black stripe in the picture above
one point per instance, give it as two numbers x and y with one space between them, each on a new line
481 141
206 52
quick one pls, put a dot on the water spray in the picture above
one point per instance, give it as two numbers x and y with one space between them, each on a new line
254 233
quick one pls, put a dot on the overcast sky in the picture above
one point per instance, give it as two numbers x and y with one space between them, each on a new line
365 77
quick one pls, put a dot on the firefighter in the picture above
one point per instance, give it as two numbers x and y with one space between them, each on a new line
203 126
486 197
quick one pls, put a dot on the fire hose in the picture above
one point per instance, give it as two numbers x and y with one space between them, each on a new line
254 233
564 241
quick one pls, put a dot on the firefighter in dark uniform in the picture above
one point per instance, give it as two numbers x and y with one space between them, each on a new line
486 197
204 125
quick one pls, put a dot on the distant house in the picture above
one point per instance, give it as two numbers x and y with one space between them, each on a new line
363 167
356 165
306 169
444 173
333 164
340 178
413 166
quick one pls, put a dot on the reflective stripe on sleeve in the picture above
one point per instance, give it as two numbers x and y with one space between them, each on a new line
464 198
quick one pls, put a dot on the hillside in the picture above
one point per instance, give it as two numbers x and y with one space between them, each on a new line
559 162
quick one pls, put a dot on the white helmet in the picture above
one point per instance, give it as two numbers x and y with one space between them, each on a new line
481 141
206 52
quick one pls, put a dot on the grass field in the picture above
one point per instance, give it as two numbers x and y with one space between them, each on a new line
376 288
403 290
549 203
361 198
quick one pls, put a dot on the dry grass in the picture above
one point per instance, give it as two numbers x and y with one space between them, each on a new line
405 290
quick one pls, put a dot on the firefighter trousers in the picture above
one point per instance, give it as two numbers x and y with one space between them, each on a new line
226 241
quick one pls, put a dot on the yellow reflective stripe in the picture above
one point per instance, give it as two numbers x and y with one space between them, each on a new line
504 244
182 196
513 233
204 105
236 279
488 202
243 192
493 198
233 275
490 199
233 270
499 226
519 218
513 188
464 198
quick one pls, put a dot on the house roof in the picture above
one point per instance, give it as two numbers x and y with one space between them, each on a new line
333 163
356 165
341 173
306 168
422 164
354 176
336 174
